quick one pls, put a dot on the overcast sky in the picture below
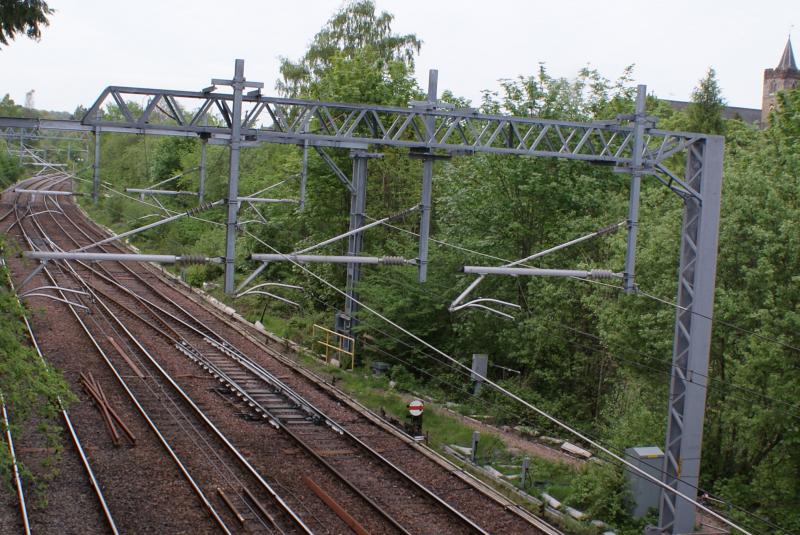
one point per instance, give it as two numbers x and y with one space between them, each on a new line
182 44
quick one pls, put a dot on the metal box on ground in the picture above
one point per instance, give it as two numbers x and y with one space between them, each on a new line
645 493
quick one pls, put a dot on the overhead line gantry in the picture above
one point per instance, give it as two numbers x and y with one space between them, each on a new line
430 129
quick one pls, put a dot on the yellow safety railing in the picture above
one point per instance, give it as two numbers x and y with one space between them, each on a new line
334 345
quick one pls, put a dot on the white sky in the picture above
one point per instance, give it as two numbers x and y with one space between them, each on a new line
180 44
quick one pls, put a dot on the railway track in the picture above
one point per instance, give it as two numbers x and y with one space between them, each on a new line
369 464
76 442
23 508
178 423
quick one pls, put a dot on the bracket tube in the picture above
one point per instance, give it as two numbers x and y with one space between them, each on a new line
331 259
117 257
45 192
238 84
636 183
540 272
145 191
151 225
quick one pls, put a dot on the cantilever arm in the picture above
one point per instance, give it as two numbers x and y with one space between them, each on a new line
54 298
484 300
490 309
279 298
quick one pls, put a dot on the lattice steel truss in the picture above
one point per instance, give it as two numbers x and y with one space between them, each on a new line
32 145
431 129
696 279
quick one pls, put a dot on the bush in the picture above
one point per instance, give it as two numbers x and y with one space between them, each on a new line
10 169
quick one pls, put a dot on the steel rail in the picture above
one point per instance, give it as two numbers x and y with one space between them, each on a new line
68 422
283 505
264 375
268 377
23 510
350 435
208 422
174 338
136 403
197 354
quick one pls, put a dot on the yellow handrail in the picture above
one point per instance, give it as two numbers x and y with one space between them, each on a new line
339 348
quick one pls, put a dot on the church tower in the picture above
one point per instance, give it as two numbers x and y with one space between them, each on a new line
784 76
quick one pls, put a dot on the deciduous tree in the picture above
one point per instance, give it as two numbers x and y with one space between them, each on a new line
22 16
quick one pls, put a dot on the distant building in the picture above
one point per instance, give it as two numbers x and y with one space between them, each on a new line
784 76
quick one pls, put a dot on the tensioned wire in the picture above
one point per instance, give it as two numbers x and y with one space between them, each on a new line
464 249
617 357
491 383
507 393
616 287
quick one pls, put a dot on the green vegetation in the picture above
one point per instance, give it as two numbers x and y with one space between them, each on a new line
10 169
23 16
705 110
595 357
31 389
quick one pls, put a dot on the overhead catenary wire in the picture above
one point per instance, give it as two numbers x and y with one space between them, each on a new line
513 396
620 288
718 382
464 249
616 287
530 406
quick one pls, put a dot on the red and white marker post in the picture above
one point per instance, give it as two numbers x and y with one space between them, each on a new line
416 407
415 410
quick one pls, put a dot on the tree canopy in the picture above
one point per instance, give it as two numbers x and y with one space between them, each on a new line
23 16
357 39
705 110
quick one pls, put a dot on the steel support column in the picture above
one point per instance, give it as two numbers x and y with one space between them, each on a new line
358 200
201 191
696 279
304 177
637 171
233 181
96 166
427 181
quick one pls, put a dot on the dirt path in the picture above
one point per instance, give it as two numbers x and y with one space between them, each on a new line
512 439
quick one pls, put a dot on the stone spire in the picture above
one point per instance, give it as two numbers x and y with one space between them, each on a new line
787 59
784 77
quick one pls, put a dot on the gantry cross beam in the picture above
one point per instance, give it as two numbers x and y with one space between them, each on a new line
459 131
429 129
18 144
